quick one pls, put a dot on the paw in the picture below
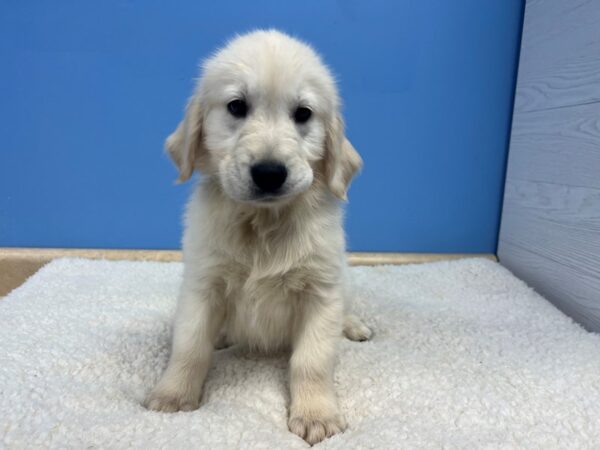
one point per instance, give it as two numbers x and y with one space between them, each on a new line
355 330
315 429
170 402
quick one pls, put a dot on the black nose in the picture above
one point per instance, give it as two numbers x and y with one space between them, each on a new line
268 175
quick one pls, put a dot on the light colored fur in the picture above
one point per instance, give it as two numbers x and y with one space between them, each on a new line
266 275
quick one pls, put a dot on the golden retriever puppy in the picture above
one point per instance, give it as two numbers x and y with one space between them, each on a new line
264 249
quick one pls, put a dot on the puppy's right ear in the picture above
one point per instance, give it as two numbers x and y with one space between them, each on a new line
185 145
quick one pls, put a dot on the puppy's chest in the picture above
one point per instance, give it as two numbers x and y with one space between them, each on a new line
262 312
260 241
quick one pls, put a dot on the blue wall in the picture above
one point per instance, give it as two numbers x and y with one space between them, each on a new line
89 90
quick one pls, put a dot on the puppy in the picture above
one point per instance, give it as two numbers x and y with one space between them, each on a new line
263 248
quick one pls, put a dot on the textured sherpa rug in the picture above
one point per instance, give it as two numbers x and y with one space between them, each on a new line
465 356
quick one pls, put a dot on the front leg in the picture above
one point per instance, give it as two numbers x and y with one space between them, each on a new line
200 314
314 411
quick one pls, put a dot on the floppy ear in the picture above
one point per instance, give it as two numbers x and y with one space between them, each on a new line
185 145
342 161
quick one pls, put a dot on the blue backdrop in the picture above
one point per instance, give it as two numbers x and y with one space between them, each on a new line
89 90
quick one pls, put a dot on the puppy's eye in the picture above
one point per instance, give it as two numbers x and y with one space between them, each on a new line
237 108
302 114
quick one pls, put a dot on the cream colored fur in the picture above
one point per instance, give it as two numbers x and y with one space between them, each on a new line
267 275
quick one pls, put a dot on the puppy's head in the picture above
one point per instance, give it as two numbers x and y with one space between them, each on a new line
265 122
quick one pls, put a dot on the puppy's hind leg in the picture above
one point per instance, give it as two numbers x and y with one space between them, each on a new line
355 330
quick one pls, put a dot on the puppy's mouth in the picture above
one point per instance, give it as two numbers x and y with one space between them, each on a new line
267 198
267 186
270 198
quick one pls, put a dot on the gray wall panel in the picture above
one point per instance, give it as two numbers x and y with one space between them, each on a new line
550 230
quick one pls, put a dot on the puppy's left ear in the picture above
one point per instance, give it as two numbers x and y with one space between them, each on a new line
342 161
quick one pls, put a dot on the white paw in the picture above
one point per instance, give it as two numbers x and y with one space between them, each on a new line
355 330
169 402
315 429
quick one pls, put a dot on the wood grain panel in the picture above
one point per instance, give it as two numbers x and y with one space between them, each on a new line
568 83
561 223
554 30
559 55
557 146
550 228
565 286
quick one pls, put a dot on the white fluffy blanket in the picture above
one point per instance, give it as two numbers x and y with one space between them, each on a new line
464 356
